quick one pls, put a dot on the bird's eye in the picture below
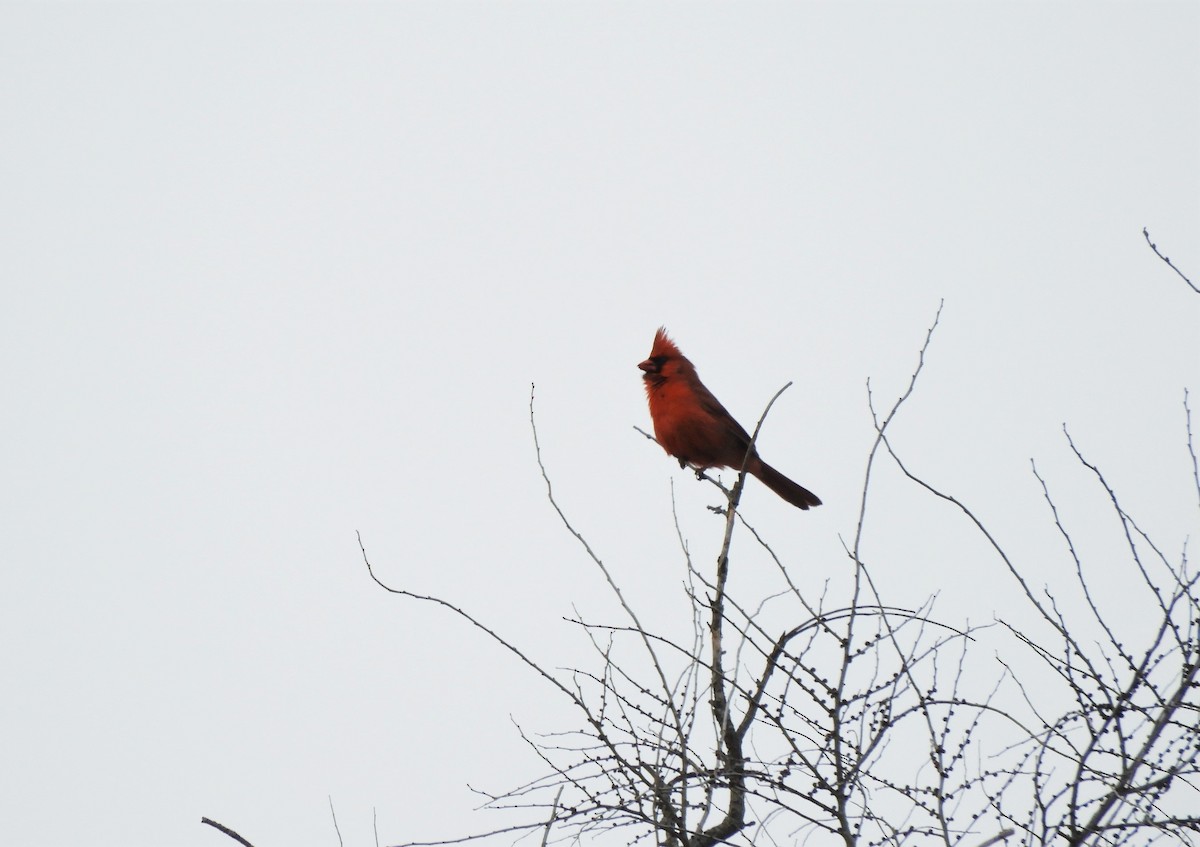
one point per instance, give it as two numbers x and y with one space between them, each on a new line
659 361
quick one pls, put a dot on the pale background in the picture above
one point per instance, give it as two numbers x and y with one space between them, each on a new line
273 274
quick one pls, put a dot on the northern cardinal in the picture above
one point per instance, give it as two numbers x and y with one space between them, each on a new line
692 425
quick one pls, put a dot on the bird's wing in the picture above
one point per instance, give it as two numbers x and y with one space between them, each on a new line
712 406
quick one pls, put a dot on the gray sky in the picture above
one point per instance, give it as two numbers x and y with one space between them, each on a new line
275 274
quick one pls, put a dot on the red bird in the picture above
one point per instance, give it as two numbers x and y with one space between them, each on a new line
694 427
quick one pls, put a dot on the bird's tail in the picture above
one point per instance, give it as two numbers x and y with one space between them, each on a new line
797 495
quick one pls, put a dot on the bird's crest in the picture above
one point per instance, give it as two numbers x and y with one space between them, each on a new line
663 345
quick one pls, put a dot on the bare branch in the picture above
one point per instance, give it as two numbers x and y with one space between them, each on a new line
227 831
1154 247
997 838
553 816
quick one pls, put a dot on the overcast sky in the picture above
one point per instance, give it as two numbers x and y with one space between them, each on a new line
276 274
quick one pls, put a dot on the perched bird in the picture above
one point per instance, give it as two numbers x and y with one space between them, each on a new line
692 425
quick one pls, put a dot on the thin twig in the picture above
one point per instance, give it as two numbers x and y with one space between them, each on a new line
1191 444
1154 247
336 828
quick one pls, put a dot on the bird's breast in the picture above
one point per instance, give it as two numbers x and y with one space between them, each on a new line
686 430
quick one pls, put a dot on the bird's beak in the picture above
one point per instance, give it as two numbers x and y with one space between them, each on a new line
648 366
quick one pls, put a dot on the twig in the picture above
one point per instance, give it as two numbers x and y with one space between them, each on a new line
1154 247
336 828
696 469
491 633
998 837
227 831
1191 444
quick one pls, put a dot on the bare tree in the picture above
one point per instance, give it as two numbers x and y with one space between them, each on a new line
863 723
858 723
